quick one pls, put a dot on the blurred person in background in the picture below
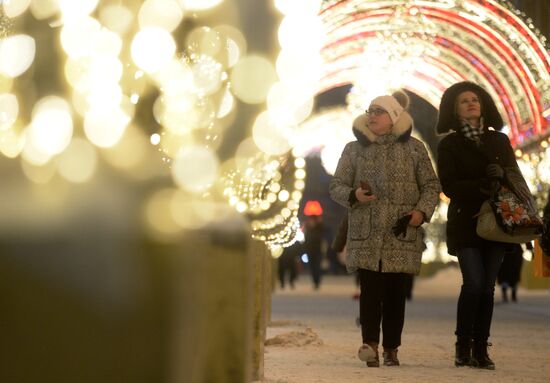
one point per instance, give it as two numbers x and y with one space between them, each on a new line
288 264
313 235
510 271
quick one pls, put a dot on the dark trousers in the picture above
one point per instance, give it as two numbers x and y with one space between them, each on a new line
315 268
287 266
479 267
382 300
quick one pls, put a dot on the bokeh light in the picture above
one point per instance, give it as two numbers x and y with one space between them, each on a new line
51 129
117 18
195 168
199 5
72 9
78 162
104 128
12 143
79 37
166 14
38 174
270 138
15 8
251 78
152 48
9 110
16 54
44 8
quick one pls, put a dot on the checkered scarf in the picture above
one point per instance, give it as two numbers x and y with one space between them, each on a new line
471 132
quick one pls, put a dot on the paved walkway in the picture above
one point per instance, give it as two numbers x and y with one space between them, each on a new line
315 337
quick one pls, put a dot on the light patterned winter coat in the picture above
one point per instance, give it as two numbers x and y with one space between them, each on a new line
402 177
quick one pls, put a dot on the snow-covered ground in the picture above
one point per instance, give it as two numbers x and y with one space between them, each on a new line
313 336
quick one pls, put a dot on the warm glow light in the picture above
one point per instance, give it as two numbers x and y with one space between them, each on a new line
226 104
16 54
130 152
183 113
32 154
152 48
195 168
9 110
289 103
300 70
252 77
74 9
235 43
299 31
79 37
207 75
14 8
288 7
155 139
116 17
158 217
268 137
165 14
108 43
51 129
39 174
44 9
199 5
175 79
11 143
78 162
104 128
204 40
104 96
191 212
284 195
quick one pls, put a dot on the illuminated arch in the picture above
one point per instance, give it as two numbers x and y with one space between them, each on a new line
485 41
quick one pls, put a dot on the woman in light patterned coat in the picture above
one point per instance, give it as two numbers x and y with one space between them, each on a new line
402 182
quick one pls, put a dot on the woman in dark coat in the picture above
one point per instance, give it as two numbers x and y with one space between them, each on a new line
471 162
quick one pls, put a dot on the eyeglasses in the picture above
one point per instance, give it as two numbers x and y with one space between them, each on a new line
375 112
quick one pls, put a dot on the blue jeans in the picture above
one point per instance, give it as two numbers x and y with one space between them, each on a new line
479 267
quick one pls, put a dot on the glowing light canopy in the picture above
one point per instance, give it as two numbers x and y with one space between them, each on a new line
486 42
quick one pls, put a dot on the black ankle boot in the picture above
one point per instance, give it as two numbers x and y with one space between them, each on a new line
480 357
463 352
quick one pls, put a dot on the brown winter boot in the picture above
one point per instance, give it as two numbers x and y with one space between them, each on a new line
390 357
368 353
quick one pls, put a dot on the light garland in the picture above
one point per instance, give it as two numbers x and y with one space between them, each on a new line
259 191
488 42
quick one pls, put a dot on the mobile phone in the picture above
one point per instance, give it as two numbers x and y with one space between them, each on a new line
365 186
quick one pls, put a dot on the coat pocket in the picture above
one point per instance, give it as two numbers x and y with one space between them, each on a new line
410 234
359 224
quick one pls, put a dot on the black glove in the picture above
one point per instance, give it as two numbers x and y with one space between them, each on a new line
494 171
489 187
400 227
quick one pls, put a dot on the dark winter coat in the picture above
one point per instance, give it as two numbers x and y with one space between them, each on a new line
400 172
510 269
461 167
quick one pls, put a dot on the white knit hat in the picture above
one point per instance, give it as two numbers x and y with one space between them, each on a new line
390 105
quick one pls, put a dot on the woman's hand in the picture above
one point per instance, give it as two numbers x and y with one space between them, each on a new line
362 197
417 218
